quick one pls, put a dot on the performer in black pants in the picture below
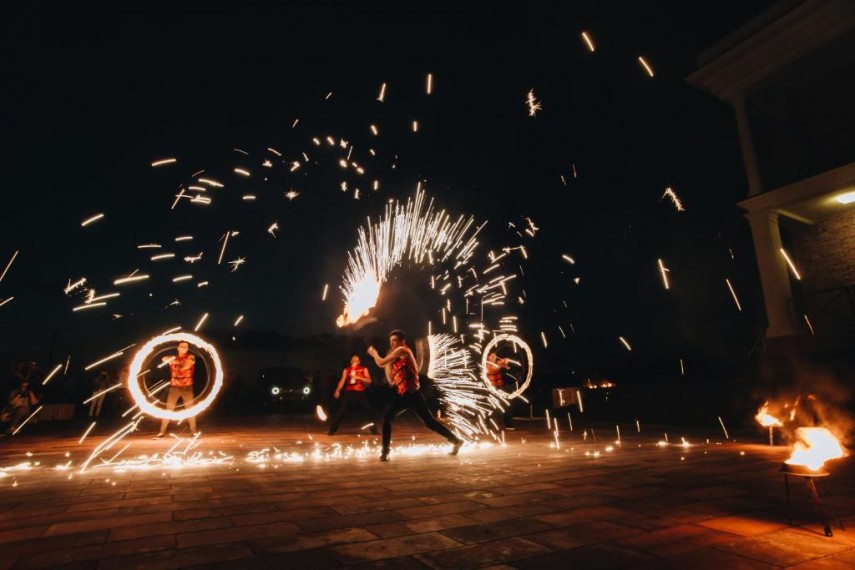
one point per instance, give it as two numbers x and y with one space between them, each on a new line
354 381
403 374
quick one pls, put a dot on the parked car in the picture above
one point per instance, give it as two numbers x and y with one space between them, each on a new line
287 387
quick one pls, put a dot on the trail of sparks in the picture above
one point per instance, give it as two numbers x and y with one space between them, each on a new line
664 272
411 232
163 162
588 41
646 66
91 220
669 192
467 402
733 294
39 409
533 104
791 264
8 265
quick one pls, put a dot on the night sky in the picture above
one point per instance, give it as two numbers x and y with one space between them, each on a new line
92 97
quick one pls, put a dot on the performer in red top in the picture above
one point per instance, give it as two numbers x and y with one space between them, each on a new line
403 374
354 381
181 369
495 365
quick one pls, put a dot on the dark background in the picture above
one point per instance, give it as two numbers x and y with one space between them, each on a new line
93 96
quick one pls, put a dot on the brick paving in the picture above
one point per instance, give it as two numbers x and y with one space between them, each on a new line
326 502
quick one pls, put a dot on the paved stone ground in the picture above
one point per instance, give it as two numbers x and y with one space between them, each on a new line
321 502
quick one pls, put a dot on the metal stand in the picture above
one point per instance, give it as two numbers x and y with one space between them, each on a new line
811 480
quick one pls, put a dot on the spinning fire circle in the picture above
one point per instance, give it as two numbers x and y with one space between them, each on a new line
525 348
152 409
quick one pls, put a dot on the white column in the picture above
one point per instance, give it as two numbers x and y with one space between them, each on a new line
773 273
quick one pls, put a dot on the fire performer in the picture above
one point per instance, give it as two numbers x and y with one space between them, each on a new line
495 365
402 372
181 369
355 380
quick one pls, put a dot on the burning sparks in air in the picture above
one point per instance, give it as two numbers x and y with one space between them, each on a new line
791 264
410 232
664 272
8 265
533 104
814 446
625 343
201 322
429 83
163 162
646 66
588 41
382 94
91 220
669 192
733 294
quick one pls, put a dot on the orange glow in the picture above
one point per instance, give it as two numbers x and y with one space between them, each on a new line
766 420
814 446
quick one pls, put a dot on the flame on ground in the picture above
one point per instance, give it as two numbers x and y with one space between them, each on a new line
814 446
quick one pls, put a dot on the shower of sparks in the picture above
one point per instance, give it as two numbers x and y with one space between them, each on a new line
200 323
625 343
669 192
52 372
382 94
533 104
646 66
91 220
791 264
39 409
103 360
733 294
8 265
236 263
164 161
588 41
410 232
274 227
664 272
324 294
467 402
238 320
291 194
429 83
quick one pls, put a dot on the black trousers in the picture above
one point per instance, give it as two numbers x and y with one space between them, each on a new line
415 402
349 400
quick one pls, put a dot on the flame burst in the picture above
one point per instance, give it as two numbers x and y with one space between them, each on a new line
412 232
765 419
814 446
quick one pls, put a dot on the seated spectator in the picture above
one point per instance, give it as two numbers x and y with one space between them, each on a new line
21 402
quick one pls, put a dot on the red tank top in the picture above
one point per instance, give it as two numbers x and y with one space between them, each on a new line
182 378
494 375
405 377
353 383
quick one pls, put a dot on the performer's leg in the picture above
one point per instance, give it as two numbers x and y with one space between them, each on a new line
171 400
396 405
365 406
342 408
186 402
416 402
